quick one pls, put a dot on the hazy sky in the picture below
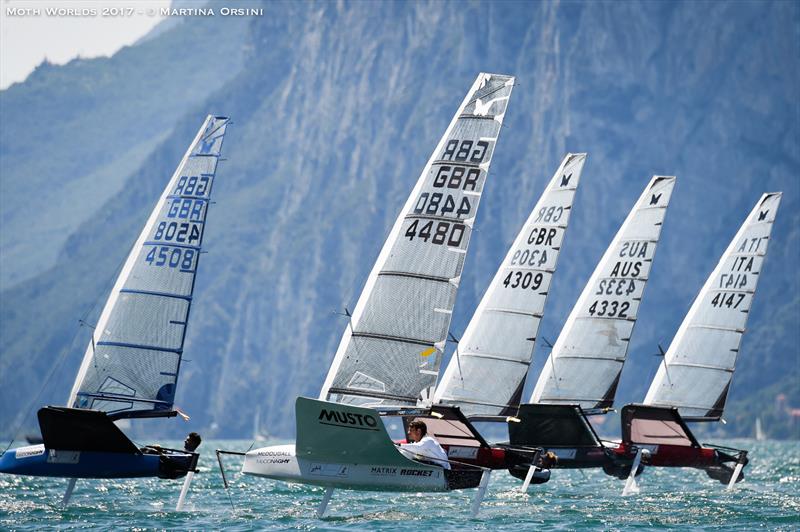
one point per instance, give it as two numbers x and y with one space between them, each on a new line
27 39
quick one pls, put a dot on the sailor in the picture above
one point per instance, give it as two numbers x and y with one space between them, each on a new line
423 446
548 460
192 442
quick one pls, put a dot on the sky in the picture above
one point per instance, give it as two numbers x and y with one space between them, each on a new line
99 28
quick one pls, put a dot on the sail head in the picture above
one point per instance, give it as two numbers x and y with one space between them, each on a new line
391 350
132 363
586 361
486 374
698 367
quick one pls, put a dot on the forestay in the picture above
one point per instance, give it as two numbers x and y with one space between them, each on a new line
586 361
131 365
391 351
486 374
697 369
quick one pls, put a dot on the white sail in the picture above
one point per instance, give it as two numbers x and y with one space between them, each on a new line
391 351
486 374
697 369
760 434
586 361
132 362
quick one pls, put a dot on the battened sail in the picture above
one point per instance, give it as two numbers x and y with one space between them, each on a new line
586 361
131 365
391 351
697 369
486 374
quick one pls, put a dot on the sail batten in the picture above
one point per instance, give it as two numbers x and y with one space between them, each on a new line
133 361
491 356
699 364
586 361
486 373
390 354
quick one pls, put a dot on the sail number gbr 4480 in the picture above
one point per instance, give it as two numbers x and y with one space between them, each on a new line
437 212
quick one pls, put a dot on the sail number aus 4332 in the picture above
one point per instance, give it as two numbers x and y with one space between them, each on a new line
611 309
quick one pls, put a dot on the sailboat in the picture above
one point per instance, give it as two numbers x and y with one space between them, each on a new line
258 433
131 365
694 378
581 374
486 374
759 431
388 360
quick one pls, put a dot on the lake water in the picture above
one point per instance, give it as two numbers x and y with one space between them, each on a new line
679 499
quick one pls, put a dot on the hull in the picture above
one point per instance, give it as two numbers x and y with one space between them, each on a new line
35 460
612 462
669 442
673 455
87 444
565 431
280 462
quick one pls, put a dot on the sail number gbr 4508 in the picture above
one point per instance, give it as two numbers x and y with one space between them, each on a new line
175 242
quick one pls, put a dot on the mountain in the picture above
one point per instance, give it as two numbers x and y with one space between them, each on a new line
336 108
73 134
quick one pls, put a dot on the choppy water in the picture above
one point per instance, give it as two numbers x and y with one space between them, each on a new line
679 499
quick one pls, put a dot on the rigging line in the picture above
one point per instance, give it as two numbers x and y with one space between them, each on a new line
458 358
458 362
224 480
49 376
353 336
678 433
461 430
498 89
71 346
224 123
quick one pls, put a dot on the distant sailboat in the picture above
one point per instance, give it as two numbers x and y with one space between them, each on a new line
581 374
131 365
258 434
389 356
759 431
694 378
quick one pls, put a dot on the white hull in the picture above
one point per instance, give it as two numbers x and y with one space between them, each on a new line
280 462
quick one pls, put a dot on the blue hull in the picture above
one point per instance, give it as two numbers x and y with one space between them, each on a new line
37 461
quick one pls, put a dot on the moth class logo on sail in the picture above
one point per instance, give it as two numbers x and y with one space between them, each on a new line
348 419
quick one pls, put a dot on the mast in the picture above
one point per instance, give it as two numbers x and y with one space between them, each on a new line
586 361
391 350
698 367
131 364
487 372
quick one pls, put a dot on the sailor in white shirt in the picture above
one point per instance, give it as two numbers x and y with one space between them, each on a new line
423 447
